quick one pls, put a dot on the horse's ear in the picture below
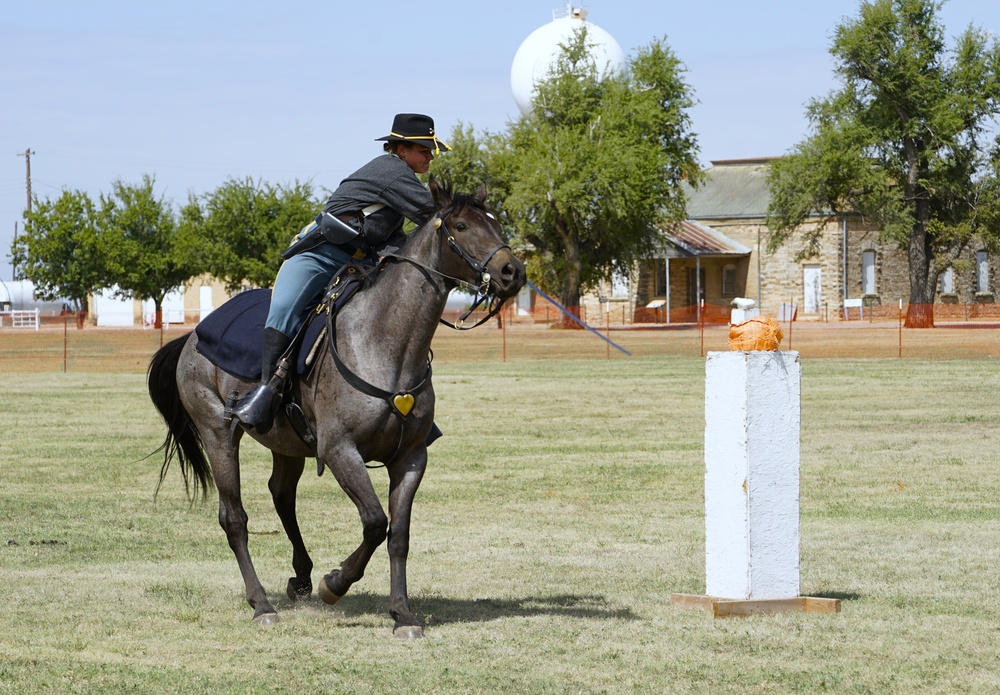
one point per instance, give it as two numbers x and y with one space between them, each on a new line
481 194
441 196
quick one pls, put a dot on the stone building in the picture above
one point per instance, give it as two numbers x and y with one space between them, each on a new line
719 253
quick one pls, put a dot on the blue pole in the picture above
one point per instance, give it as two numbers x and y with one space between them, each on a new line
567 312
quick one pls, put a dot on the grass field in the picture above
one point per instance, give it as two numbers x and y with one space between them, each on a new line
559 512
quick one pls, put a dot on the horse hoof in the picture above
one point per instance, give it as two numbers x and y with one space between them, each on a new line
298 590
326 594
266 619
408 632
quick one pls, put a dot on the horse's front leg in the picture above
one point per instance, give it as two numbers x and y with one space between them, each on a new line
349 470
404 479
285 474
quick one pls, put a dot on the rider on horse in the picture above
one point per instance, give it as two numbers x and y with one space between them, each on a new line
373 202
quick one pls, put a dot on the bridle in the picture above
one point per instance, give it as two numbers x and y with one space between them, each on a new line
480 287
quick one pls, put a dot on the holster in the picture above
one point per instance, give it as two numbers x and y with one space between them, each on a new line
326 227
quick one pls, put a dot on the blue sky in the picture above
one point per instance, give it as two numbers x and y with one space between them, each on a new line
197 91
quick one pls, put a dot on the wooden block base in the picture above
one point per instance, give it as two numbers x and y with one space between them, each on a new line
731 608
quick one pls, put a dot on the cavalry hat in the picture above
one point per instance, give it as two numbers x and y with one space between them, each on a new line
415 127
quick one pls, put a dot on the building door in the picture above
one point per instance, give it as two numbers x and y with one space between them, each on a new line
813 285
868 272
982 272
204 302
696 283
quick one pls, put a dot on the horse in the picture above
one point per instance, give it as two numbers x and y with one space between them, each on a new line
368 398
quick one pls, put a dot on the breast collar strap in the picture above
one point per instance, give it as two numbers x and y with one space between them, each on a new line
400 402
397 399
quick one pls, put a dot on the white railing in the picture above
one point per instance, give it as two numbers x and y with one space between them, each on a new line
21 318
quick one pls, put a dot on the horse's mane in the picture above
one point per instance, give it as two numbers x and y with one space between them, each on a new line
465 200
458 200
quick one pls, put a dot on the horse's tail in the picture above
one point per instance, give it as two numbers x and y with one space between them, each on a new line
183 440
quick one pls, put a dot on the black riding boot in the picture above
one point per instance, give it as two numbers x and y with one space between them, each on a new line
258 408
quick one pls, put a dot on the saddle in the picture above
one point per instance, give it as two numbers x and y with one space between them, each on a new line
232 336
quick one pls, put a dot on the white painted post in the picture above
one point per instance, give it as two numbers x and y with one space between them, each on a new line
752 420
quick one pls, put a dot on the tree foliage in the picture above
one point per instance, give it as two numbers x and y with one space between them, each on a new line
137 244
145 259
246 224
903 143
62 250
584 178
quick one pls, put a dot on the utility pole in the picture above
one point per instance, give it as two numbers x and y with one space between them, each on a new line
27 178
27 173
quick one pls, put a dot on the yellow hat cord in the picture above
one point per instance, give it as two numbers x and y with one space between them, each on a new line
437 147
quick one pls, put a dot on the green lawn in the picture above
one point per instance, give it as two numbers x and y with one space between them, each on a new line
559 513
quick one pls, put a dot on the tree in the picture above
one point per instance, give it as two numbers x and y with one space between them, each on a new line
470 164
62 251
146 258
901 143
587 175
467 165
247 224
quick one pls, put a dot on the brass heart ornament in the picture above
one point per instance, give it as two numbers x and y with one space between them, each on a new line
403 402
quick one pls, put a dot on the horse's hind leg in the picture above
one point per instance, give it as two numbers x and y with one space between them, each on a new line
233 519
283 484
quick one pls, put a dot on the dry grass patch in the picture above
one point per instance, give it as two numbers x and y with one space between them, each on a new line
559 512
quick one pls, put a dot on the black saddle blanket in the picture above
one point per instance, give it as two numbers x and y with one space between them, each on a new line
231 337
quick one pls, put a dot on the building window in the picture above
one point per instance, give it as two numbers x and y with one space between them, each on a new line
868 272
620 286
660 271
729 280
948 281
982 272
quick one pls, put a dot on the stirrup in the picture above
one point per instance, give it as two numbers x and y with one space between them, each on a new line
257 409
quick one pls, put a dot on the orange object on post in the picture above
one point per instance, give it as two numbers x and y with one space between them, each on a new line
758 333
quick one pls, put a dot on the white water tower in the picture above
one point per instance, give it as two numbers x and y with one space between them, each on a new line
538 53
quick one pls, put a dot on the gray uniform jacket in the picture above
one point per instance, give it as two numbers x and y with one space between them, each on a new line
388 180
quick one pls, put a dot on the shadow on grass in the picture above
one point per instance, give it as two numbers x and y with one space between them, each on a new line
842 595
440 611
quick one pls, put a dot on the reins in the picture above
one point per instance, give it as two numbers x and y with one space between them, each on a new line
401 402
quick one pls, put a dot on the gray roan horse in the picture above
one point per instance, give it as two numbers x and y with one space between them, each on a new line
382 341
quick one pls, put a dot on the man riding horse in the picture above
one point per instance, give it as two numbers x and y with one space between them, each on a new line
373 202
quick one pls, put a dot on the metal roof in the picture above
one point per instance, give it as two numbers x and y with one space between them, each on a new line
690 238
735 188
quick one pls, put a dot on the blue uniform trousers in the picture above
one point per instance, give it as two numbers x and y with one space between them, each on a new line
300 284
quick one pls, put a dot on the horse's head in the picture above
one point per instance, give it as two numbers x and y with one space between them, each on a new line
478 254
